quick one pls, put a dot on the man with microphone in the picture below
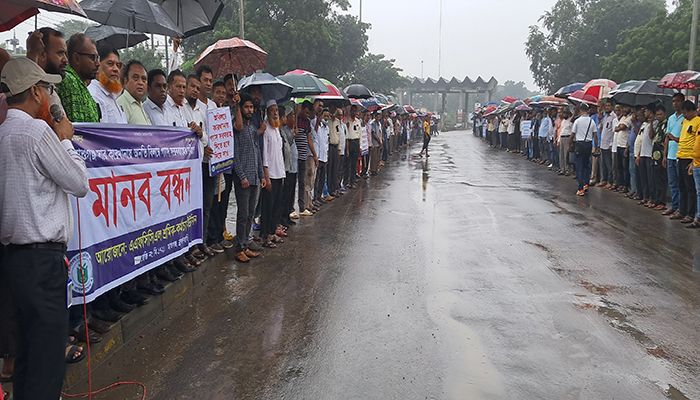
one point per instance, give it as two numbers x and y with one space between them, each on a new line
40 169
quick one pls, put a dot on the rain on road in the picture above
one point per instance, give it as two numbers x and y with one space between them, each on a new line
472 275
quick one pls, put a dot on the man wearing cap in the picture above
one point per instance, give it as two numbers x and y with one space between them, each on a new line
40 169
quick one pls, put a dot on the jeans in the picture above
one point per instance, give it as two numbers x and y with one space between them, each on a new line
37 279
583 163
553 154
606 170
271 208
687 188
219 211
301 188
246 200
696 178
672 171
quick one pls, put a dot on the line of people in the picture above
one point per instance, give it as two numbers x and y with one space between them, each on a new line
643 152
307 154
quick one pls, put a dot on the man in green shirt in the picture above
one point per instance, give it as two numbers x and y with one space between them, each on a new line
83 62
135 81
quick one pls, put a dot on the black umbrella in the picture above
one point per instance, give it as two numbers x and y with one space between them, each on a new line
641 93
358 91
193 16
134 15
118 38
304 85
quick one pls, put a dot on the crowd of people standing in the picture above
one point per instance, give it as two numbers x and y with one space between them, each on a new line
289 161
646 153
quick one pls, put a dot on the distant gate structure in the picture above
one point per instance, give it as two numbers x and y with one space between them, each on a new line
442 87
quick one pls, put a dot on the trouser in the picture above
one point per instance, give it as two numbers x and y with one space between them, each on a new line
672 171
606 166
564 143
646 177
340 173
321 177
385 148
634 176
290 183
246 200
553 154
622 167
351 164
332 168
364 163
37 279
271 208
686 185
310 181
301 186
544 150
219 211
659 176
426 142
583 163
504 140
208 189
374 155
595 169
696 179
494 138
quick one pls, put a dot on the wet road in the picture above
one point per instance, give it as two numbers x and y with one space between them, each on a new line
473 275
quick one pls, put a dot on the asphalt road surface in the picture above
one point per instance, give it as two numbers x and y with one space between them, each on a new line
473 274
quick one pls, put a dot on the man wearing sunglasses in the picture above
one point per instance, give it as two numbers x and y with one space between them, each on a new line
83 62
107 87
40 169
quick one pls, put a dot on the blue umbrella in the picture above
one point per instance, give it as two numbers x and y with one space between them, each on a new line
565 91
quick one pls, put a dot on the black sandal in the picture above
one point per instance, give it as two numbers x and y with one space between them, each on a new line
71 357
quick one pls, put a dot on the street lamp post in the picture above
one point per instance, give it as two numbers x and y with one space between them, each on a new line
241 19
693 36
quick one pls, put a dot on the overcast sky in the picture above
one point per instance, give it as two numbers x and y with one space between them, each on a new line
479 37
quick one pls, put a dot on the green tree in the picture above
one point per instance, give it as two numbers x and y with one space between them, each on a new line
143 53
512 88
72 26
306 34
576 35
377 73
653 49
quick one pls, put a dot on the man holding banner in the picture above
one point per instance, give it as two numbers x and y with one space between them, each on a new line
41 168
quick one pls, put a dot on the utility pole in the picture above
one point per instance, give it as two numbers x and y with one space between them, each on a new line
421 69
241 19
360 10
693 36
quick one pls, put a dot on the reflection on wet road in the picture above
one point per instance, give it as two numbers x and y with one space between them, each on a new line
471 275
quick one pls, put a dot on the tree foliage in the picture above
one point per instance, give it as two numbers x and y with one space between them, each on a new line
576 35
148 57
307 34
512 88
653 49
69 27
376 72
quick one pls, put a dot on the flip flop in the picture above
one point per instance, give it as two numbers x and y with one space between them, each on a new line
71 357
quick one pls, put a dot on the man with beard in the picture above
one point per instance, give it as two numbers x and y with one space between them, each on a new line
83 62
107 87
248 175
131 101
157 94
47 47
40 169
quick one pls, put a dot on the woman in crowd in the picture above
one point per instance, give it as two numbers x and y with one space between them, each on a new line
274 173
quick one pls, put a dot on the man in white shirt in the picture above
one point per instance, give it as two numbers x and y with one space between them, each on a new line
622 162
206 79
606 145
107 87
643 147
40 170
157 94
174 106
584 133
321 133
354 125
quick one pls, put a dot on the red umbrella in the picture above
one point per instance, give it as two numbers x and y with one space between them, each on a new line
580 96
599 88
300 72
17 11
678 80
509 99
333 96
409 109
233 56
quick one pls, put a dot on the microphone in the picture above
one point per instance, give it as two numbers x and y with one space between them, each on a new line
56 113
